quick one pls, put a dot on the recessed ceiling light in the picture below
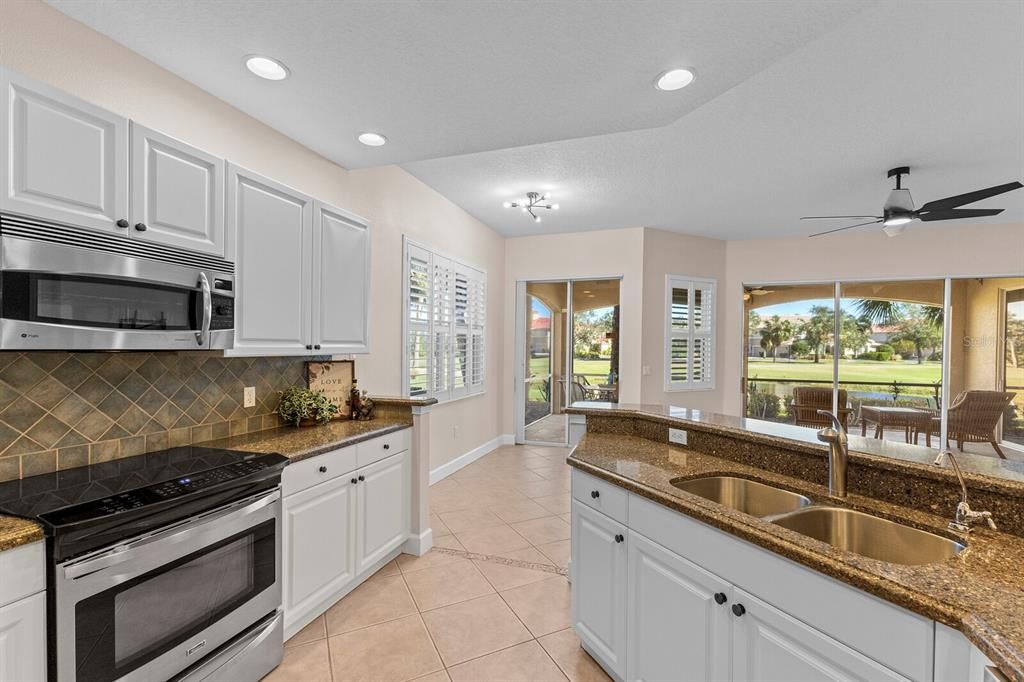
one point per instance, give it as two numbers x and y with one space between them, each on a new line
674 79
372 139
268 68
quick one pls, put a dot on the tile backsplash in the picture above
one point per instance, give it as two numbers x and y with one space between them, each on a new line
63 410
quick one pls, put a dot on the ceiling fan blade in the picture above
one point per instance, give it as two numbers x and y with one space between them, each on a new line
848 227
834 217
969 198
955 213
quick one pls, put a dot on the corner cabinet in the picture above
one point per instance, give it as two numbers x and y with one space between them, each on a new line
657 595
64 159
302 271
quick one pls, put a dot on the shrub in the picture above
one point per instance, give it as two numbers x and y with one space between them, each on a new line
885 348
878 356
763 405
936 356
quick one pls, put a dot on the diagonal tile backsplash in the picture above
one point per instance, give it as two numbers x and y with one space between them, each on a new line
62 410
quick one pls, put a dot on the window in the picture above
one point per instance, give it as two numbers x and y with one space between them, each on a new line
689 334
446 307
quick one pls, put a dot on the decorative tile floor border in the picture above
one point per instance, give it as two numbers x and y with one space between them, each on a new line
518 563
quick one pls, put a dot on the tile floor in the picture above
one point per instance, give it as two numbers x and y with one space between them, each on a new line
492 603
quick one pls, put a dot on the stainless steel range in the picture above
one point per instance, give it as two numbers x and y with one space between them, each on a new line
162 566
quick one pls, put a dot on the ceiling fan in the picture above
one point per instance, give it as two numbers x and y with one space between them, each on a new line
899 207
750 292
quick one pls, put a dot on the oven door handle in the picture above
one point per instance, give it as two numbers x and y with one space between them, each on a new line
203 335
183 531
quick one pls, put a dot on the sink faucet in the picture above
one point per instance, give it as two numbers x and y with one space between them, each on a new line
838 454
965 517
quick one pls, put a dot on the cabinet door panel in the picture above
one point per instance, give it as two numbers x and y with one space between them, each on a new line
771 646
341 276
599 585
677 631
177 192
23 640
383 515
318 547
274 227
68 160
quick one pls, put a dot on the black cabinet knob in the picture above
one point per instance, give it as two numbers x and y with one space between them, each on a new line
323 470
122 223
595 494
720 598
141 227
317 346
387 446
361 477
355 480
619 538
738 610
309 346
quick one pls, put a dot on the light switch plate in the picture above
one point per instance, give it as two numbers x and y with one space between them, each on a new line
677 436
249 396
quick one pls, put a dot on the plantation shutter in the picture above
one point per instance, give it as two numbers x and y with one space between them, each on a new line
690 337
444 326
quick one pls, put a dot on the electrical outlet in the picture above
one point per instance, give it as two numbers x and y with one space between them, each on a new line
249 396
645 370
677 436
456 431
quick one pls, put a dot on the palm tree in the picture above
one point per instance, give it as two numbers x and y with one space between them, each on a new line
818 329
889 313
774 333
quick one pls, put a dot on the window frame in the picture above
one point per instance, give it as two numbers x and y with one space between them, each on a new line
709 334
444 324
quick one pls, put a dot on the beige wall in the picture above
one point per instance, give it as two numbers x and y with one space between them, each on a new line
43 43
923 251
980 338
671 253
578 255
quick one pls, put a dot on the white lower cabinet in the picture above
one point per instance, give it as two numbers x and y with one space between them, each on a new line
599 586
772 646
383 508
679 618
341 523
727 610
23 640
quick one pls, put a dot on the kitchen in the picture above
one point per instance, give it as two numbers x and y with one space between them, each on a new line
180 243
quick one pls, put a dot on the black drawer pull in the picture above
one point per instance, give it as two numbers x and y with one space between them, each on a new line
361 477
141 227
122 223
323 470
355 480
720 598
386 446
595 494
619 538
738 610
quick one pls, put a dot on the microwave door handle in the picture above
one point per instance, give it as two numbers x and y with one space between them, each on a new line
203 335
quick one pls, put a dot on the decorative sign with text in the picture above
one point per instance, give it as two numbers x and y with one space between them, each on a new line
333 379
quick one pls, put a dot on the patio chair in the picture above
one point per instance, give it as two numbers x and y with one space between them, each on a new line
974 417
594 392
807 400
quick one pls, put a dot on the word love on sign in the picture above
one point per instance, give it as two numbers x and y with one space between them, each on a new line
334 380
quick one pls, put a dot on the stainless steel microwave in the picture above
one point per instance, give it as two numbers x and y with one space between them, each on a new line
63 288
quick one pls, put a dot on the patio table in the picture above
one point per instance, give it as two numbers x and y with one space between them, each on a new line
911 419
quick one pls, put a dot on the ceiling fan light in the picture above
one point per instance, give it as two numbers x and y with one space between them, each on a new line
897 221
536 218
893 230
507 204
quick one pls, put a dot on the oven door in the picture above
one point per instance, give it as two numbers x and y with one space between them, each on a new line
152 607
61 297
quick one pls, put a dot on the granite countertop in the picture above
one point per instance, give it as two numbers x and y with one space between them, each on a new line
880 451
308 441
294 443
979 592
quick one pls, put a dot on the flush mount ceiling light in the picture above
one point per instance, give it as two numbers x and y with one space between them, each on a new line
372 139
265 67
533 201
674 79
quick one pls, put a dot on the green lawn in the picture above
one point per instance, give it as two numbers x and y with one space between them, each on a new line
849 370
595 369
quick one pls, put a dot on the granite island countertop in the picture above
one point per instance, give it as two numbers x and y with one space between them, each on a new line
980 592
294 443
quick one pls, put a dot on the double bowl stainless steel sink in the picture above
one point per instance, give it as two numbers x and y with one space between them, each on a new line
844 529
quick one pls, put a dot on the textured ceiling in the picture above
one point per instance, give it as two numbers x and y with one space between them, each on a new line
799 107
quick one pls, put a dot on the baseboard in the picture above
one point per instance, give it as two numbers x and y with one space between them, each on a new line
508 439
445 470
418 545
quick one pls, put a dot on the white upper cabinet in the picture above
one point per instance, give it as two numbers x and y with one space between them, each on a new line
66 160
177 193
273 277
341 277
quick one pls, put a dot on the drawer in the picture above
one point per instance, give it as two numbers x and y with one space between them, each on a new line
374 450
309 472
601 495
24 572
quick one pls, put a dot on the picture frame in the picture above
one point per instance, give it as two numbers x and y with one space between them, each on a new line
334 378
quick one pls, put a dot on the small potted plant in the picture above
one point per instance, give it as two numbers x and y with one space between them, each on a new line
303 407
